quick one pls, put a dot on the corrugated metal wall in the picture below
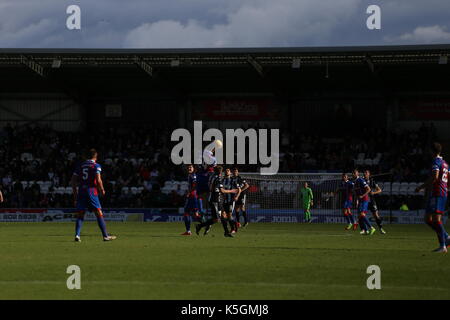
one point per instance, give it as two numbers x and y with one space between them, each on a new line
60 114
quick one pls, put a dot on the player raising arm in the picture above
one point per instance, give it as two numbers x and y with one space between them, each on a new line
203 173
437 188
86 184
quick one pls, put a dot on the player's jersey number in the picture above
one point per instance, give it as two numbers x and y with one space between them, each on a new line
85 173
445 175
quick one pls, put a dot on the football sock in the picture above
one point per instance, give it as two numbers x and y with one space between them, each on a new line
102 225
352 218
187 222
244 214
225 225
200 205
441 233
433 226
347 217
367 222
379 222
238 216
362 223
232 224
78 226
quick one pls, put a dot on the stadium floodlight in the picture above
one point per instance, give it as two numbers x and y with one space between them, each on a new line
33 65
56 63
175 63
443 60
370 64
256 65
296 63
143 65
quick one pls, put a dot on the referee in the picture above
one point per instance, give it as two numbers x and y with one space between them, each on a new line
373 199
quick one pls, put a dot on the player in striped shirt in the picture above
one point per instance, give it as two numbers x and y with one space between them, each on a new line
241 197
362 191
373 207
86 185
204 173
217 192
191 206
346 190
437 188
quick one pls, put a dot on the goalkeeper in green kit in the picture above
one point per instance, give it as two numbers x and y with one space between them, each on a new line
306 197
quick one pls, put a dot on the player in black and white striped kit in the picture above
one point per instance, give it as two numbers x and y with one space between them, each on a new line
373 207
216 198
229 183
240 198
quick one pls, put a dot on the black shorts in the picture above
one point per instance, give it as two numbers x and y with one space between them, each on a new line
373 206
241 200
228 207
216 209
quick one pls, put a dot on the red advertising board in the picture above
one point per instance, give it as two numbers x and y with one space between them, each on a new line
425 110
236 109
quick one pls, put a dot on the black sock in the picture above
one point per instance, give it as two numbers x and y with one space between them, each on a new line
238 216
232 224
244 214
225 225
379 222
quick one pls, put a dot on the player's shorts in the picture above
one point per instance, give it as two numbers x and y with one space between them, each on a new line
216 209
363 206
228 206
348 204
436 205
373 206
88 200
307 206
241 200
191 205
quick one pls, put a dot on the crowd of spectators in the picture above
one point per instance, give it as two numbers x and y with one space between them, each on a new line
401 155
141 158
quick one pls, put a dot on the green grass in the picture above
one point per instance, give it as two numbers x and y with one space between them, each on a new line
265 261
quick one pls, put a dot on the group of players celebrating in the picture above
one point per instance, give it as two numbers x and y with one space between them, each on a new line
365 189
225 193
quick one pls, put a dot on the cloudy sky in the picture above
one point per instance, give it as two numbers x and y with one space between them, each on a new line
220 23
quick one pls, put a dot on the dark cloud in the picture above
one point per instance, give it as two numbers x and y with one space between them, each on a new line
224 23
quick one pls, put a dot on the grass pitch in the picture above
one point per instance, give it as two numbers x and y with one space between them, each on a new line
264 261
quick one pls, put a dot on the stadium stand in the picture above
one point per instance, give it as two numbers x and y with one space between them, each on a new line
52 110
